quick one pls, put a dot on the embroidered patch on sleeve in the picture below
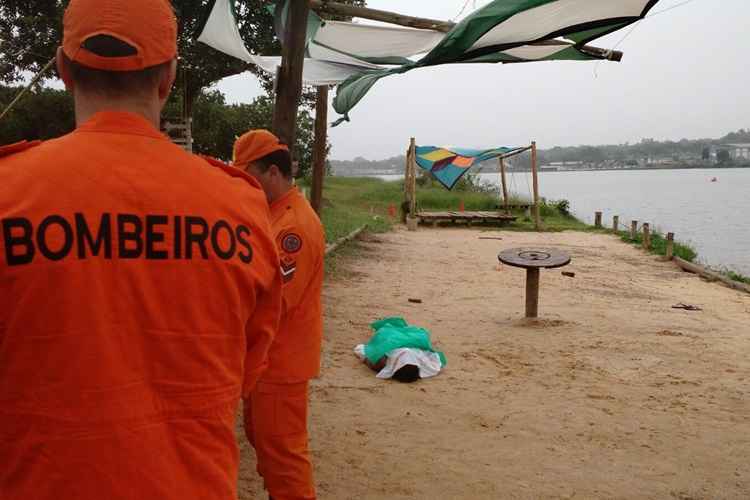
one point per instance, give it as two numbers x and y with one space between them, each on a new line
291 243
288 269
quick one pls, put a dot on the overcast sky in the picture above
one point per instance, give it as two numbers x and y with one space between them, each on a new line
685 74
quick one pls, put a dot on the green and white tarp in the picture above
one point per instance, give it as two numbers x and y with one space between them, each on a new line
355 56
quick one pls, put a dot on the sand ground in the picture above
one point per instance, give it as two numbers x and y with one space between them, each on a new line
611 394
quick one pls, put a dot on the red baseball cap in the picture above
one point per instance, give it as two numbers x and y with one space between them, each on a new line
149 26
254 145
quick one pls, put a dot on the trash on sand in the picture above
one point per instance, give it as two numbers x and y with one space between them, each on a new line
687 307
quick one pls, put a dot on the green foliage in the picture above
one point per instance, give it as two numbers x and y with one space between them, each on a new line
43 113
722 156
31 30
563 207
659 245
217 124
738 277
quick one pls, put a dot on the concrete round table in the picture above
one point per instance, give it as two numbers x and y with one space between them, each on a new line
533 260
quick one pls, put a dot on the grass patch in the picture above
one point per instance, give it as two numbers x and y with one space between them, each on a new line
732 275
659 245
351 202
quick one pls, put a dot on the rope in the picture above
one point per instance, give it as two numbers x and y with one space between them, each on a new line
681 4
463 9
632 29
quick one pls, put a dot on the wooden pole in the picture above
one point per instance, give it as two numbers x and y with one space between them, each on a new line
633 229
289 85
340 9
670 246
597 219
532 292
505 185
319 152
413 184
646 236
615 223
534 177
712 275
36 78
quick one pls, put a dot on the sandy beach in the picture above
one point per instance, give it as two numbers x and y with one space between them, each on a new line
612 393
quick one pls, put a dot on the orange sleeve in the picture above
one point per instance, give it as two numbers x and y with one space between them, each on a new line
300 263
260 332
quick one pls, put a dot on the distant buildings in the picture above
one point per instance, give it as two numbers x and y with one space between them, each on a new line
737 151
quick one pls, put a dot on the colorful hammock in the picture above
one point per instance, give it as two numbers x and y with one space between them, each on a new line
449 165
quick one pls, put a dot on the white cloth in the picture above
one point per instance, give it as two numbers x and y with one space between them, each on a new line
428 362
367 40
326 66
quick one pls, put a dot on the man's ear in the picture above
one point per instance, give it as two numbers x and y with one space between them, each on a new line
64 71
167 80
274 170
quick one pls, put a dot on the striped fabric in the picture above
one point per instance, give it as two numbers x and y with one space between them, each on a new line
449 165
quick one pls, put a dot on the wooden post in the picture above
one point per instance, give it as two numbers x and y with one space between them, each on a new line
534 177
413 181
289 84
597 219
319 153
532 292
505 185
646 236
407 183
633 229
670 246
615 223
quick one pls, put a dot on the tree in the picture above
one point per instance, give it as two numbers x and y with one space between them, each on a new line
43 113
217 124
31 30
722 156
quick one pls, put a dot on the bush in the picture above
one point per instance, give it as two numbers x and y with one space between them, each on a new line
563 207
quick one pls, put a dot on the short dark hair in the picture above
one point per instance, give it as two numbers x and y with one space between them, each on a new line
113 84
407 373
281 158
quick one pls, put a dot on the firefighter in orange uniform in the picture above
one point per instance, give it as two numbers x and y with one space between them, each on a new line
276 411
140 287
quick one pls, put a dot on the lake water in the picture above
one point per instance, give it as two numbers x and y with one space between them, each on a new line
714 217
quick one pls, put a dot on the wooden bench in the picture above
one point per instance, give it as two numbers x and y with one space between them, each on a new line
468 218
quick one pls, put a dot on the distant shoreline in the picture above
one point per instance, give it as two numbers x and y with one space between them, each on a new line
544 170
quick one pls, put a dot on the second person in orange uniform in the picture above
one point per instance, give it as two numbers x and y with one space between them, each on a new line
276 411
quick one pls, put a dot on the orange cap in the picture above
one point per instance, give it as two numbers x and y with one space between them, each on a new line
256 144
149 26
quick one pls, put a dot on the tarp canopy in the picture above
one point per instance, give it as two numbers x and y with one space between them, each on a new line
448 165
355 56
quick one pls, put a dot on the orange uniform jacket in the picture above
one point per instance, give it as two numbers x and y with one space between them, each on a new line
139 291
295 354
